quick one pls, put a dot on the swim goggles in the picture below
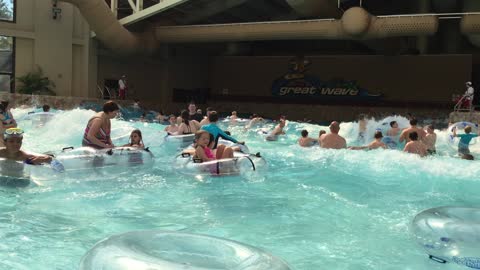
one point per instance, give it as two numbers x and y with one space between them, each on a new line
10 132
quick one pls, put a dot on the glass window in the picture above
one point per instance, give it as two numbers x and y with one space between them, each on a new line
7 10
7 59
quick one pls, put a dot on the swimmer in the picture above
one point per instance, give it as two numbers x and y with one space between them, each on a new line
217 133
467 157
46 108
97 132
136 140
6 116
305 141
172 129
464 143
394 129
234 116
320 133
205 120
362 127
413 128
278 130
12 139
255 119
375 144
414 146
202 143
333 140
187 126
430 140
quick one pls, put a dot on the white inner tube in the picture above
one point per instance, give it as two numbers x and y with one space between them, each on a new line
450 234
161 250
86 158
460 127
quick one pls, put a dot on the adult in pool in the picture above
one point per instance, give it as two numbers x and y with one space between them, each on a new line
414 146
333 140
97 132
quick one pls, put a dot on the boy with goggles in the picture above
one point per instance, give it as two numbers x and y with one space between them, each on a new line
12 138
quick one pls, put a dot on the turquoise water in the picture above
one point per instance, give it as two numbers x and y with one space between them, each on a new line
314 208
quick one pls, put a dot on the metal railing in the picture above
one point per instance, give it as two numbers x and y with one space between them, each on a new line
459 105
105 92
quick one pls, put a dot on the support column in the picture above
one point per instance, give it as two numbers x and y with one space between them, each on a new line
422 41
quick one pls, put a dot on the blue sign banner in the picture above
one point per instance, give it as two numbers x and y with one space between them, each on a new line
296 83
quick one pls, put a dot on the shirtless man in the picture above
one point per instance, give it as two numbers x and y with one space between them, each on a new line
255 119
306 141
278 130
333 140
377 143
430 140
394 129
413 128
414 146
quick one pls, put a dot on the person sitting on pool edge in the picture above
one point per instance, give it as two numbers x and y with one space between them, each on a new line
464 143
377 143
217 133
203 142
306 141
414 146
12 139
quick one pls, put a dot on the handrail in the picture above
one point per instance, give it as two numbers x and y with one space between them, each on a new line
458 106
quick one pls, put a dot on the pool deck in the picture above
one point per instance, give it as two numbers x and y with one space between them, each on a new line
472 116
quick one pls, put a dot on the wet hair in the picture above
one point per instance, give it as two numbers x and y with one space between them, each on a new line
254 115
185 116
413 122
110 106
213 117
392 123
413 136
139 133
304 133
321 132
209 109
378 134
467 157
199 134
46 108
234 112
468 129
431 127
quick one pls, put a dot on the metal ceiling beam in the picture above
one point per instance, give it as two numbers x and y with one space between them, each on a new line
148 12
212 9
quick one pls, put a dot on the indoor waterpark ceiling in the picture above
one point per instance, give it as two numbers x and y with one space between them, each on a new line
448 38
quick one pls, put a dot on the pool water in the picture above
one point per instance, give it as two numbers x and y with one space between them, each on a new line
314 208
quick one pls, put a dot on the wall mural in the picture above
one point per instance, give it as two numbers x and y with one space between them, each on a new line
297 83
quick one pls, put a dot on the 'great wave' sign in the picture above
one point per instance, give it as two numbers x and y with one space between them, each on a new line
296 83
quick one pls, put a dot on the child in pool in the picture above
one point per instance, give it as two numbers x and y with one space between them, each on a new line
136 139
464 143
306 141
12 139
203 141
375 144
